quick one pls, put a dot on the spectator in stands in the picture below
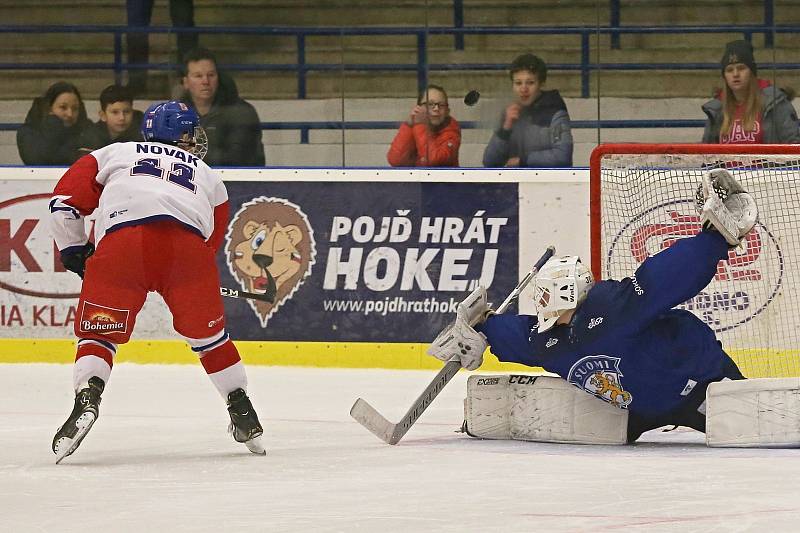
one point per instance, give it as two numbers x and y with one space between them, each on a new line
232 125
119 122
748 110
534 129
53 126
140 12
430 137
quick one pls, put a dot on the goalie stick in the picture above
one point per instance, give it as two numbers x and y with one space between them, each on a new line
367 416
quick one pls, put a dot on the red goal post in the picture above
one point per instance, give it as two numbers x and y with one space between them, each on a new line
642 200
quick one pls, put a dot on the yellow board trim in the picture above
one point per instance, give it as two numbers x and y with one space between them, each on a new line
408 356
767 363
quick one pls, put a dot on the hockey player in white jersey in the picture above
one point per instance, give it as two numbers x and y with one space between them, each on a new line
160 217
621 341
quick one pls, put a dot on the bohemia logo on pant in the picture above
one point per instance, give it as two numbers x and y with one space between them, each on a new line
101 319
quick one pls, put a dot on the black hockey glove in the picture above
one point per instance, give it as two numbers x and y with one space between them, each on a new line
76 261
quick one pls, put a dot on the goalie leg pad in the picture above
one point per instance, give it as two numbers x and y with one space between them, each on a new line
486 407
540 408
751 413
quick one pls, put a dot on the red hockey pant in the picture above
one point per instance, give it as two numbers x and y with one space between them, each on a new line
162 256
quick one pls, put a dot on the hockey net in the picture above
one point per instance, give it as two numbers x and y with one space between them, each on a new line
642 201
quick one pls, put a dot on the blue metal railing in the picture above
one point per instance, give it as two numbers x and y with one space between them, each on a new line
306 126
422 67
615 21
466 124
458 22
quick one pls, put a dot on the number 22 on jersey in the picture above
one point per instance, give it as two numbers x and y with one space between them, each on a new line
181 174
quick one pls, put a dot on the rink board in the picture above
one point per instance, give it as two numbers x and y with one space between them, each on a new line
395 256
388 251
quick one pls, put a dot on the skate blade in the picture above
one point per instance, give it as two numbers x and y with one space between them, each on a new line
66 446
255 446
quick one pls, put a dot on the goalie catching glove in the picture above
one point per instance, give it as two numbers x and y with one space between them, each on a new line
459 340
724 205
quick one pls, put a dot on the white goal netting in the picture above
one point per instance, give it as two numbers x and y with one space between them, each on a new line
643 202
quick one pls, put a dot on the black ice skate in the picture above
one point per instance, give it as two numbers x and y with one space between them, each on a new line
244 425
83 415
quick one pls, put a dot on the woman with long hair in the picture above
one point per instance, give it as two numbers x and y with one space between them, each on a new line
748 110
53 126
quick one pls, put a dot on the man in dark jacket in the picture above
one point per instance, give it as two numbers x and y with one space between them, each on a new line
535 129
232 125
119 121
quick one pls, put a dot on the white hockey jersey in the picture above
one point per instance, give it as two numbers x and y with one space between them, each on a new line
126 184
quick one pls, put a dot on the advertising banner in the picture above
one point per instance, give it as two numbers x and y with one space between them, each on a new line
366 262
39 297
342 261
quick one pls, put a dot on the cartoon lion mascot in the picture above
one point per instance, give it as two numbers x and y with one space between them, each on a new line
270 250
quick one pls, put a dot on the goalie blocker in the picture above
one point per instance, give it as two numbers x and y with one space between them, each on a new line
747 413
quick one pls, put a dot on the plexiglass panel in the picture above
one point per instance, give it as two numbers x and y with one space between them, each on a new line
332 81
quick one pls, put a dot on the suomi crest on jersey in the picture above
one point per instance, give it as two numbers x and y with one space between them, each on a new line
601 376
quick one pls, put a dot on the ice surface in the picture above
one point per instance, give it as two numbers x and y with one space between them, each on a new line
159 457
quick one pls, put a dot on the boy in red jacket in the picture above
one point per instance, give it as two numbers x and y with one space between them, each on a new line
430 137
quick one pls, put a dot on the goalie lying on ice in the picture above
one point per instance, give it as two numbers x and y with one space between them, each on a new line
622 341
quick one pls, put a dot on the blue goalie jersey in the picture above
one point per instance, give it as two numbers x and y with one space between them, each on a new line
626 344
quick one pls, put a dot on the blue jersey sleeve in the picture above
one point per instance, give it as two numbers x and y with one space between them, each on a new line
508 336
673 276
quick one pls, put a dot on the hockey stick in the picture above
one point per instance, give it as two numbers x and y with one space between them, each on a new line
367 416
234 293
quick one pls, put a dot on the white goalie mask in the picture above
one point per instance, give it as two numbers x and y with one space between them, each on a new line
561 285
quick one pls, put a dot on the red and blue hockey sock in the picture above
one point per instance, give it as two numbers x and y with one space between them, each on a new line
93 358
222 363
